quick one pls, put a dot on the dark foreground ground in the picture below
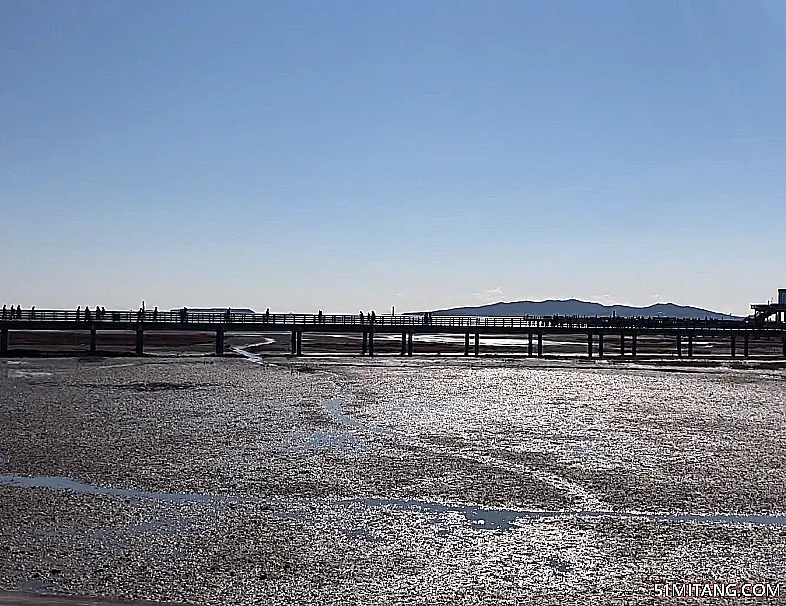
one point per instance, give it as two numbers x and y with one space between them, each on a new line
341 481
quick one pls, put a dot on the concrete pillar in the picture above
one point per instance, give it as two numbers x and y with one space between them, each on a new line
92 339
600 345
690 346
365 343
745 345
3 341
299 343
622 344
140 342
293 343
733 346
466 344
529 346
589 345
679 346
403 343
220 342
409 343
371 342
540 344
634 344
477 343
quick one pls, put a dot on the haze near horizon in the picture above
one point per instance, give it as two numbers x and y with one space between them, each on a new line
426 155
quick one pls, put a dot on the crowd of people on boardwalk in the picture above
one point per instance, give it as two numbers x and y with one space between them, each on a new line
13 313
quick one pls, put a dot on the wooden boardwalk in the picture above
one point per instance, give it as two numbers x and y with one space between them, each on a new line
597 330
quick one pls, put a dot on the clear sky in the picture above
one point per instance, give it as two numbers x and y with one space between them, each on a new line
349 155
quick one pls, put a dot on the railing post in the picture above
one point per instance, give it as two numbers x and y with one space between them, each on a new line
634 339
529 345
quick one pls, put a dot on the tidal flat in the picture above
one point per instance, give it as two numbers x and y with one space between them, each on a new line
387 481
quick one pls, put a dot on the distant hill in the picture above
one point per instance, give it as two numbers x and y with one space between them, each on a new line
218 310
574 307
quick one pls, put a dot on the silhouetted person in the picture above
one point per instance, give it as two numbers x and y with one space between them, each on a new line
361 317
373 317
155 314
78 312
267 315
32 312
5 312
320 316
98 312
227 315
87 314
19 312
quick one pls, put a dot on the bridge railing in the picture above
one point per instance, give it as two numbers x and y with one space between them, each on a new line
267 319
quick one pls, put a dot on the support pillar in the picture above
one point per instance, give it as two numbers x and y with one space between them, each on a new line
403 343
540 344
4 341
293 343
409 344
622 344
529 346
92 339
679 346
140 342
600 345
733 346
589 345
745 345
477 343
690 346
371 342
220 342
634 344
466 344
299 343
365 343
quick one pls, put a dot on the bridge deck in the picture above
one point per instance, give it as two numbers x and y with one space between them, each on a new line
130 320
406 326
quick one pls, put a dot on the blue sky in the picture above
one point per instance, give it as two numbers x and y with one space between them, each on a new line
353 155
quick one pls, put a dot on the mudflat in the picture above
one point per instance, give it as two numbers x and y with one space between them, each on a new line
334 481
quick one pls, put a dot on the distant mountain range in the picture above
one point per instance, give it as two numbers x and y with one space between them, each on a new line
217 310
574 307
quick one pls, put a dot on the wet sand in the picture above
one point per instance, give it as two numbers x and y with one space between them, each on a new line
334 481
